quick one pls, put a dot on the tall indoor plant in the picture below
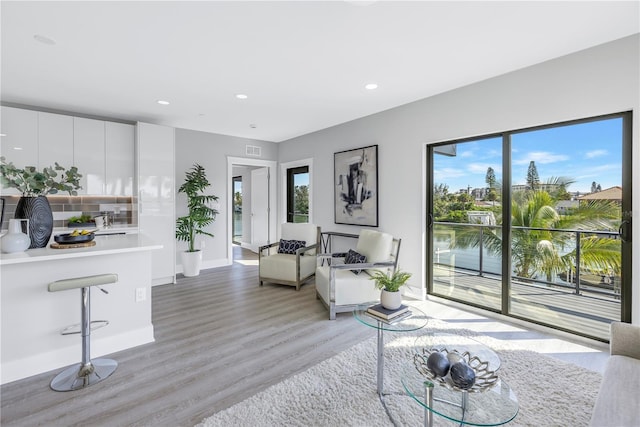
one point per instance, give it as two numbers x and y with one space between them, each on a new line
35 185
199 216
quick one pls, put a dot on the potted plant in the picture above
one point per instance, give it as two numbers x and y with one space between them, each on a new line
199 216
390 297
34 186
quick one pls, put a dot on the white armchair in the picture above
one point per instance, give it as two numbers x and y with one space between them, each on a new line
340 289
288 261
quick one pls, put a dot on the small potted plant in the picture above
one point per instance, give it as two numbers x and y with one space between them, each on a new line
390 297
34 186
199 216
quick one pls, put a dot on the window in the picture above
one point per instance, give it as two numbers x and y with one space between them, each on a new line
532 223
298 194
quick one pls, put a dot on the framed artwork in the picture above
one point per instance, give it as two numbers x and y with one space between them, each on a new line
356 186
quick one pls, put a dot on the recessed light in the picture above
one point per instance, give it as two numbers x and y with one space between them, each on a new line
253 126
161 102
44 39
17 148
3 134
371 86
241 96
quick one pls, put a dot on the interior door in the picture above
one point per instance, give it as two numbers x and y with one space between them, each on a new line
259 207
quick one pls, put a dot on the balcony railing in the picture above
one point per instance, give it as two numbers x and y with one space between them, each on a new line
476 258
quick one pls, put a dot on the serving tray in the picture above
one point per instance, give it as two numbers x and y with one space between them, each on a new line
55 245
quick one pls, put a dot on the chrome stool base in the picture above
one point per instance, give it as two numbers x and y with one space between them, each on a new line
80 376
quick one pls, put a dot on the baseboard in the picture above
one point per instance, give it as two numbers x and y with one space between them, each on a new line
63 357
206 264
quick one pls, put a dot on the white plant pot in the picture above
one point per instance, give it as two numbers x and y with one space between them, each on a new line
391 300
191 263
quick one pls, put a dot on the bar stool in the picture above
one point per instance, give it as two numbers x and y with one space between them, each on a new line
87 372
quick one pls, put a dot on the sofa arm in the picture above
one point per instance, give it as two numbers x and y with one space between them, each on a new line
625 340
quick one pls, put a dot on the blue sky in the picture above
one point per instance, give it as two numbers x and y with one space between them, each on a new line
584 152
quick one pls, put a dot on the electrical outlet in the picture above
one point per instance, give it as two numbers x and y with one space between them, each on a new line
141 294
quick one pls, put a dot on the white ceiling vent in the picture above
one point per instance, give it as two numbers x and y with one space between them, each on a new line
253 150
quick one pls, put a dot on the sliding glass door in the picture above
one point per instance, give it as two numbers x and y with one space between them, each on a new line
534 223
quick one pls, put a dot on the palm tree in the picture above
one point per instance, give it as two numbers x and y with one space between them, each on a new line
536 249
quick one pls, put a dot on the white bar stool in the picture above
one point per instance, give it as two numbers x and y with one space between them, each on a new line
87 372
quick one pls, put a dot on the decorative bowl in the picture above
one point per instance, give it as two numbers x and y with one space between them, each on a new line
485 378
67 238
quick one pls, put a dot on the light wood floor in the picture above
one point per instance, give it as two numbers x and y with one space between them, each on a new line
220 338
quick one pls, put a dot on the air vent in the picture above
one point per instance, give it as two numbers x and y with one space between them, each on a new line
253 150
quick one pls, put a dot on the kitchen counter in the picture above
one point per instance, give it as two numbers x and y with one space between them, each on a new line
105 244
32 317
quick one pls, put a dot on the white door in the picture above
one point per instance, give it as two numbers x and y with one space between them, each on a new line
259 208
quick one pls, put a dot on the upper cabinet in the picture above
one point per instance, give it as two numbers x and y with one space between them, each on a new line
55 140
103 151
19 140
120 159
89 154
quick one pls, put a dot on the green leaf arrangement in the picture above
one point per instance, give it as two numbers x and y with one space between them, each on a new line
390 283
32 182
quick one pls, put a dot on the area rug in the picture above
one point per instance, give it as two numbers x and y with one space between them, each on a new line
341 391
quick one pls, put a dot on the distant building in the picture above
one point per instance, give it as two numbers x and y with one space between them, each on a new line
613 194
565 206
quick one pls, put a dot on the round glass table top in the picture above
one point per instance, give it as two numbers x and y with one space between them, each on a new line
417 319
493 405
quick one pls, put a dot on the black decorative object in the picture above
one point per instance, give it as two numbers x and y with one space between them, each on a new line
438 363
462 375
38 211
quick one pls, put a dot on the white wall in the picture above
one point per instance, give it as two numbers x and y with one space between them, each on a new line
211 151
600 80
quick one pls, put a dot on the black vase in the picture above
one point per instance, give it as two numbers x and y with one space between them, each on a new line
38 211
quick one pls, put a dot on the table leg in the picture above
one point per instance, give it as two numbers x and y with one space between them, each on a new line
380 359
428 400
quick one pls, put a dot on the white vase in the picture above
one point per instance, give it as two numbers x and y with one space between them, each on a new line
15 240
191 263
391 300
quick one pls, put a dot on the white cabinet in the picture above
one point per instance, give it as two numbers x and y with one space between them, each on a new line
103 152
156 196
19 140
120 159
55 140
88 154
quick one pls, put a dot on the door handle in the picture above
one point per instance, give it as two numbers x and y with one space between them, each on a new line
624 231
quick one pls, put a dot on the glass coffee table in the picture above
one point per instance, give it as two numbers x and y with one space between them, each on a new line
417 320
490 402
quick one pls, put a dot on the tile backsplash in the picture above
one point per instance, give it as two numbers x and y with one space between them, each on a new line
64 207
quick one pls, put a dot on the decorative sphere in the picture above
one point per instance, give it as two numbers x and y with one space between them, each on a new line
438 364
454 358
462 375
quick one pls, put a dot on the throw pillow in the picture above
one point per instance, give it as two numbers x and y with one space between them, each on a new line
290 246
354 257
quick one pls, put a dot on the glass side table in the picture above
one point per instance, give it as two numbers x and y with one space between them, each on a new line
417 320
491 406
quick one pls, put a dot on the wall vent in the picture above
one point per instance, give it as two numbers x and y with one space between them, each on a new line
253 150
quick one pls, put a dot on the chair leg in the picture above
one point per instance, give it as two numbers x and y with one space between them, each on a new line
88 372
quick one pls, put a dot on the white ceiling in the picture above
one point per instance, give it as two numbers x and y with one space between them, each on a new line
302 64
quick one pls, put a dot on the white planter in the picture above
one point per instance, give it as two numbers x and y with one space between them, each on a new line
391 300
191 262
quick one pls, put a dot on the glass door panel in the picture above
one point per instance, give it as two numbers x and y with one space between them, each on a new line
466 227
566 212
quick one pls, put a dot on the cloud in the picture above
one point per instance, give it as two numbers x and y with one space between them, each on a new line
447 173
595 153
541 157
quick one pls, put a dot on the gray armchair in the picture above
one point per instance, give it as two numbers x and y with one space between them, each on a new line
288 261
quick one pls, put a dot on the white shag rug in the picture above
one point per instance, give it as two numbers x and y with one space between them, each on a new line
341 391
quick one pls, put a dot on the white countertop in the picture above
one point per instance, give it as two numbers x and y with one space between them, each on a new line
105 244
